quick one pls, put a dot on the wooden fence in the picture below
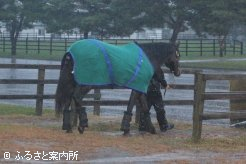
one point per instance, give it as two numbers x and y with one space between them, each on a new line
198 103
96 102
200 96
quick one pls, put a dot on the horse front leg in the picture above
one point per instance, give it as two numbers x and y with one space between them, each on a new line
145 119
125 124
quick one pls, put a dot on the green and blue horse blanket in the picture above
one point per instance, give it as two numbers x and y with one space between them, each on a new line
100 63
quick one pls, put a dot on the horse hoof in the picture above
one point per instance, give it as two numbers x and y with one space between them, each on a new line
142 132
126 133
81 129
153 131
69 131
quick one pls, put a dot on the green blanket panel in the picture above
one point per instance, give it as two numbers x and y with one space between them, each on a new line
100 63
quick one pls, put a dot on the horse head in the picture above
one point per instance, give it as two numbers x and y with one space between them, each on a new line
163 53
65 85
173 59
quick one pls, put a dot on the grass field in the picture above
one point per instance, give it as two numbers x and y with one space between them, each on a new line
20 110
231 65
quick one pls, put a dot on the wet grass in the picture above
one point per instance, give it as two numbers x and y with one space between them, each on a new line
237 65
20 110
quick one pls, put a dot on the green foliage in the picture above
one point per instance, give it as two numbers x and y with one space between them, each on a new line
17 15
107 18
217 17
58 15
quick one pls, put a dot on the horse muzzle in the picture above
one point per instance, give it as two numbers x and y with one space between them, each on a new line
177 72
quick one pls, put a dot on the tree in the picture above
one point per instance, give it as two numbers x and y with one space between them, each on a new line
127 16
92 15
217 18
117 17
84 15
178 14
17 15
153 14
58 16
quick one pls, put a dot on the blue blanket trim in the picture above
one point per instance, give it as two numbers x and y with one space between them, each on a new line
138 66
106 57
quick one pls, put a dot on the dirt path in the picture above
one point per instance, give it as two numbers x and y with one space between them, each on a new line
102 142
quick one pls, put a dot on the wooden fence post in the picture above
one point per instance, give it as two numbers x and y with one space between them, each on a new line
26 45
201 47
241 48
214 47
225 48
38 45
186 47
3 44
199 90
51 43
235 105
40 90
96 110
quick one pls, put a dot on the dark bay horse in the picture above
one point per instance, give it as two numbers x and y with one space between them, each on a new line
157 58
70 88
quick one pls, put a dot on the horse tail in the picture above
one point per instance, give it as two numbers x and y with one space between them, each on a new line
65 86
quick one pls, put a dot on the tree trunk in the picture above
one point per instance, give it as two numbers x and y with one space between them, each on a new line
13 46
16 27
174 36
222 45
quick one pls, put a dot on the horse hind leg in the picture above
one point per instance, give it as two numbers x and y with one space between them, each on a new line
145 119
66 125
125 124
81 111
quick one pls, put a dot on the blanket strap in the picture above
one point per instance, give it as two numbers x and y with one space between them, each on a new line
106 57
138 67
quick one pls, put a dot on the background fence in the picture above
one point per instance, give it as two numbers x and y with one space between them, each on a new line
53 46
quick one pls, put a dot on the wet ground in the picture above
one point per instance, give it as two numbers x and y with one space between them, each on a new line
115 154
109 146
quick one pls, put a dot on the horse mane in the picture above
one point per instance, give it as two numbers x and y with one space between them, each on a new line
157 50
